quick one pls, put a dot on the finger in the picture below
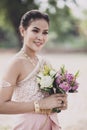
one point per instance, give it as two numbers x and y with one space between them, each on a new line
61 103
64 99
61 98
63 107
64 102
60 95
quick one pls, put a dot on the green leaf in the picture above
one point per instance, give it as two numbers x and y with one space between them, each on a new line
77 73
63 69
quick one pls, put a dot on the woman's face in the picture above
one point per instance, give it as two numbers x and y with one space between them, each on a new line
36 35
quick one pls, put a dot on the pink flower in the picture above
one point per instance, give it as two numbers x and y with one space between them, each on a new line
59 78
75 86
65 86
69 77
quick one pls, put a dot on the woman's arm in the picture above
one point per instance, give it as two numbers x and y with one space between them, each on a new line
10 107
10 76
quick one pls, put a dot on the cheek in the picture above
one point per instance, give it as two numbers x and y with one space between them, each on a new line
46 38
30 37
29 34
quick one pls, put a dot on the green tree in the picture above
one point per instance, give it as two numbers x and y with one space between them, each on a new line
11 11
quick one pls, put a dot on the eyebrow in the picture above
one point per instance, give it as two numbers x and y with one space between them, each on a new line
39 29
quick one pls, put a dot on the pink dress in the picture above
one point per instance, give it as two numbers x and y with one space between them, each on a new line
27 90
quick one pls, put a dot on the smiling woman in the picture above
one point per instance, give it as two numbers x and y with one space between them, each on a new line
19 90
36 35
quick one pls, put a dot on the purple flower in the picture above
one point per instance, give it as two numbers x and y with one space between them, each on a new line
65 86
59 78
75 86
69 77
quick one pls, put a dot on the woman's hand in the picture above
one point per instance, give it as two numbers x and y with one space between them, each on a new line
54 101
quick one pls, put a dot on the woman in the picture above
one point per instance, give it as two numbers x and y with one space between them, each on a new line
19 91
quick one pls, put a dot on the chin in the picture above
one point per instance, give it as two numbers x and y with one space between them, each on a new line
38 48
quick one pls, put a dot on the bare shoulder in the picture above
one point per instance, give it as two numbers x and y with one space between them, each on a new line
13 69
14 63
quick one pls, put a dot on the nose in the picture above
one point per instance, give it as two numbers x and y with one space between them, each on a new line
40 36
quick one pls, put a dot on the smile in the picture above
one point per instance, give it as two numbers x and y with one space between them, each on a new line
38 43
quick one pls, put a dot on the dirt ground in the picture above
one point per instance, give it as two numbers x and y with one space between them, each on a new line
75 117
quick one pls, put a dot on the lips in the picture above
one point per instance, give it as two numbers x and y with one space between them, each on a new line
38 43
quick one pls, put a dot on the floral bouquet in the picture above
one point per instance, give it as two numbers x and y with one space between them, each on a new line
52 81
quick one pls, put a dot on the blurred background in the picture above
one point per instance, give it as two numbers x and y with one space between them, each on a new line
67 45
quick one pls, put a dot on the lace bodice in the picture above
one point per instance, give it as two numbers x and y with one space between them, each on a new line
28 89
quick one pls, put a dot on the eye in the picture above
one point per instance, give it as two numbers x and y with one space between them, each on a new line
45 33
34 30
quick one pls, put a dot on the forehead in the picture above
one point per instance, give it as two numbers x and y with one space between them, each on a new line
39 23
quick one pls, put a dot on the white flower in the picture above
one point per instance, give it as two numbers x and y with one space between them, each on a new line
40 74
46 82
52 73
38 80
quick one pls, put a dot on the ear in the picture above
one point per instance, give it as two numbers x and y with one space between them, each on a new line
22 31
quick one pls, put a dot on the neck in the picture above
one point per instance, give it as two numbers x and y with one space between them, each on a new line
29 52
